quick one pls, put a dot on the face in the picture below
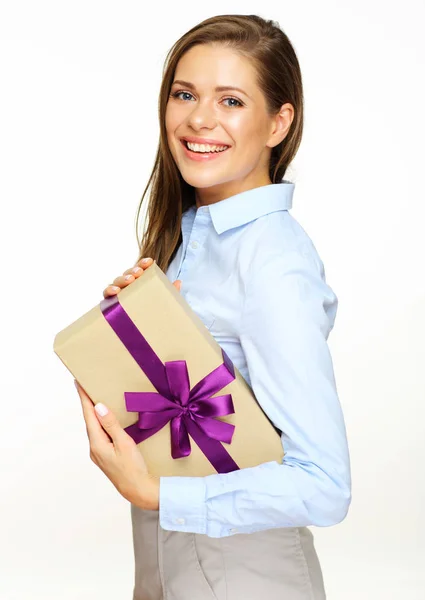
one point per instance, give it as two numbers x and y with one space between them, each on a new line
237 119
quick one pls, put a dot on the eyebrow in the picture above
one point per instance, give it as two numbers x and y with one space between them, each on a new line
219 88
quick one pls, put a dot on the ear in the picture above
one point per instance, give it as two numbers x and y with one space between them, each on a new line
281 124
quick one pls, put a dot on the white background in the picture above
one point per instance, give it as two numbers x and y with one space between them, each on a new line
78 108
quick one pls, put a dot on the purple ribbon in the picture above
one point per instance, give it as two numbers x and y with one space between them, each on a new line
191 411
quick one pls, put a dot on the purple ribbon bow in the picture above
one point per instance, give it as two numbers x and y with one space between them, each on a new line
191 411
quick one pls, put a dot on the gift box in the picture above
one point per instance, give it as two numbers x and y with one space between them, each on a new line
147 356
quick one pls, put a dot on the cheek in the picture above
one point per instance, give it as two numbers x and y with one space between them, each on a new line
170 128
174 116
168 120
244 129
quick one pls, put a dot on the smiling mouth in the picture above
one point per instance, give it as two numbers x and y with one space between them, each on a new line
184 143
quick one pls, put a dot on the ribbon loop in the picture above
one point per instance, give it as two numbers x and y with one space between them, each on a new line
178 380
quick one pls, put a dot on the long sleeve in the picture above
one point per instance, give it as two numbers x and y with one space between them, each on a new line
288 314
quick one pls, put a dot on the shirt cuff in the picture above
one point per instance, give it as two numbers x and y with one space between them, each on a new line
182 504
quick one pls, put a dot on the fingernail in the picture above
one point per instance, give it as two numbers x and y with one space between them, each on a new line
101 409
115 288
145 260
136 269
128 276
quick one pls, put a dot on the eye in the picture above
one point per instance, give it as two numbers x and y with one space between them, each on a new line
239 103
236 100
176 94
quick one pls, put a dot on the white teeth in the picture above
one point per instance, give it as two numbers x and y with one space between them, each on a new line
205 147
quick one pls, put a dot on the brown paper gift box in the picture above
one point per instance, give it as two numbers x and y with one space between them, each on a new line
97 358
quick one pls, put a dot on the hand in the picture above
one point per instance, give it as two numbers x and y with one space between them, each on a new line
117 455
135 272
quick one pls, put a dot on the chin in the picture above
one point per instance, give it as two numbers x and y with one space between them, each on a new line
198 180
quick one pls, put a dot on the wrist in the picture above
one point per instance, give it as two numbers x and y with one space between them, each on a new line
149 496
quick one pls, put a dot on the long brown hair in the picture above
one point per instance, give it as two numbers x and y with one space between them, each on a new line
279 77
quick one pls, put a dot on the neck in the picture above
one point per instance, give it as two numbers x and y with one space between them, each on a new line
216 193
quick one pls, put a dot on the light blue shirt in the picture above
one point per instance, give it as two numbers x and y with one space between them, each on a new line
254 277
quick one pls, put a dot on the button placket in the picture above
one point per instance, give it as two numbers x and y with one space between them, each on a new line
199 228
193 254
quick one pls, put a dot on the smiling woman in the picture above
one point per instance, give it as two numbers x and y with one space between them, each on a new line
231 122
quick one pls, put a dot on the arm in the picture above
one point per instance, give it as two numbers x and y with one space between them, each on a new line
288 314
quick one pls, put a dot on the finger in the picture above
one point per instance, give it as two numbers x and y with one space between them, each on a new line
111 290
145 262
95 431
177 284
111 425
136 271
123 280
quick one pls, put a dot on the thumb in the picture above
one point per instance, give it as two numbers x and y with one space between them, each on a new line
110 423
177 284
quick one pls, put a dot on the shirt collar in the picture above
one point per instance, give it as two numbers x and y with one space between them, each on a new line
247 206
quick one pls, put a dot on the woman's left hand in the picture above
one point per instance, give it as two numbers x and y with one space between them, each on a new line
119 459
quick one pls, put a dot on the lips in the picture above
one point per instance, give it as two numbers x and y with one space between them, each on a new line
196 140
201 156
184 142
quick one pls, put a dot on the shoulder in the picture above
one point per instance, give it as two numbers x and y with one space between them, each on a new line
283 271
279 239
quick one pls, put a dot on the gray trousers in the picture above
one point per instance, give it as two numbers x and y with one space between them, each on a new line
275 564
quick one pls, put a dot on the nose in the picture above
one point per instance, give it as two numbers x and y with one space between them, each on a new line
203 115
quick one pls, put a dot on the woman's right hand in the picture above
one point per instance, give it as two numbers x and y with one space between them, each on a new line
130 275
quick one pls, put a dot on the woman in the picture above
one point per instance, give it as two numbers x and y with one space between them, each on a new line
231 119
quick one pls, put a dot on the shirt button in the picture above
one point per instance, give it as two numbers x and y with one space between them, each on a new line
233 530
194 244
181 521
